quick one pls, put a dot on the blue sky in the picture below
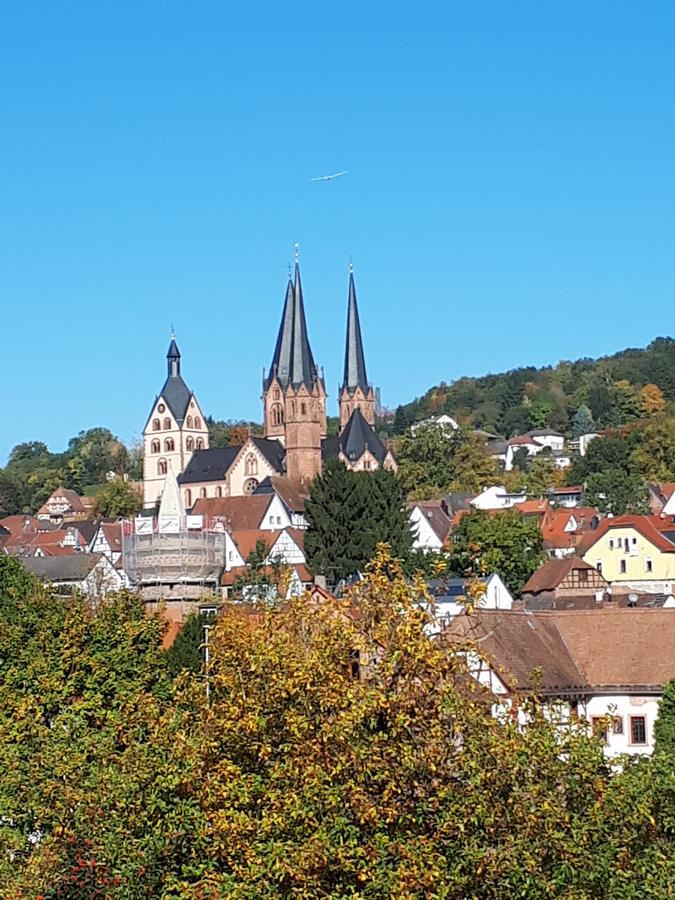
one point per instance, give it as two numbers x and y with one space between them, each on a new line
510 197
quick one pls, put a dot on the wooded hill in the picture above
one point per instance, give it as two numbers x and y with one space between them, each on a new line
570 397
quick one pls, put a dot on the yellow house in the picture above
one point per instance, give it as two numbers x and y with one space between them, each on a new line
633 551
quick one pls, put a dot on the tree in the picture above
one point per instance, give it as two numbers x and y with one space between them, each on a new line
614 491
664 727
473 468
541 475
99 453
583 422
385 516
187 651
654 453
10 499
333 510
118 498
425 464
504 542
651 400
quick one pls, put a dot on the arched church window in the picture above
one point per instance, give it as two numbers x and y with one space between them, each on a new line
250 486
277 414
219 491
188 497
276 393
200 444
303 409
202 492
190 444
167 423
169 445
189 422
251 465
156 424
154 447
162 467
198 422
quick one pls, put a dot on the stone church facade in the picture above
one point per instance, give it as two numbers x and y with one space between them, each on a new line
295 443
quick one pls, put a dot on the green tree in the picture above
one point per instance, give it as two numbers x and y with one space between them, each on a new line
99 452
504 542
187 651
664 727
473 469
425 460
654 453
614 491
118 498
541 475
384 516
10 498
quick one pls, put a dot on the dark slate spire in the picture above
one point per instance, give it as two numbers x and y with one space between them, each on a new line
173 357
293 362
281 361
355 363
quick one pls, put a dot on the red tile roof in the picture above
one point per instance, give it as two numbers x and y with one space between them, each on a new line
552 573
649 527
238 513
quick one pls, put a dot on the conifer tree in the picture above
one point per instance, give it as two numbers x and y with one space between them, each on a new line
385 518
187 651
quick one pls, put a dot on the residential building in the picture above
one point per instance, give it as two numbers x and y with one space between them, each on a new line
430 524
450 597
564 528
65 505
91 573
497 497
589 667
634 552
557 580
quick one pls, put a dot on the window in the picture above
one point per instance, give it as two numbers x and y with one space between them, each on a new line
598 565
161 408
188 497
303 409
611 543
189 422
622 566
219 491
638 730
251 465
162 467
156 425
198 422
190 444
366 464
276 393
154 447
250 486
278 520
617 725
202 492
169 445
649 565
167 423
583 576
277 415
200 444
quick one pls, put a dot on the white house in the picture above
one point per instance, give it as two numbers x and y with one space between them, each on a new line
449 596
548 437
91 573
430 525
443 421
602 668
497 497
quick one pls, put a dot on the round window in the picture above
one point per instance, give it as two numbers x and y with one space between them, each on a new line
161 408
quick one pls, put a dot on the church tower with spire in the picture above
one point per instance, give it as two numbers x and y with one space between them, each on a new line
176 427
294 394
355 391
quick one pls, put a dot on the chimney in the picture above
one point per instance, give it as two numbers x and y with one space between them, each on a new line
320 581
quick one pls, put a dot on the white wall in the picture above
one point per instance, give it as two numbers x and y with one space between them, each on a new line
623 706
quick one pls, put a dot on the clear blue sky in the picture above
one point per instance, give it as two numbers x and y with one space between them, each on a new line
510 197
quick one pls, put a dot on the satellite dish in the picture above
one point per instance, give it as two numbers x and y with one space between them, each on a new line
632 599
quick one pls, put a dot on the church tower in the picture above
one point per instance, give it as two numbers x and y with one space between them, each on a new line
294 395
176 427
355 392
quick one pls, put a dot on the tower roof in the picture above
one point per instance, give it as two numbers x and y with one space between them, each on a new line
355 363
175 392
293 362
355 438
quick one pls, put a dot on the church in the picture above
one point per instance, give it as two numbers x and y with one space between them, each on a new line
296 441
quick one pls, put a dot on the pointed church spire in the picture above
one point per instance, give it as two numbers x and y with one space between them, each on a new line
293 362
355 362
173 357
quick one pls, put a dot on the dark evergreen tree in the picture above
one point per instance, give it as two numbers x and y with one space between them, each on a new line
187 651
385 515
583 421
334 509
664 728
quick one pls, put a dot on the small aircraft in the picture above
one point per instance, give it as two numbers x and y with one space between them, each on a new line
328 177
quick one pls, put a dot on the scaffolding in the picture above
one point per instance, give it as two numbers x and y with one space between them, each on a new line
185 565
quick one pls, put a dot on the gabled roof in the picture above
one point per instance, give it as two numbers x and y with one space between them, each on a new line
577 651
292 491
292 362
436 517
273 451
209 465
553 572
239 513
356 437
71 497
355 363
652 528
74 567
